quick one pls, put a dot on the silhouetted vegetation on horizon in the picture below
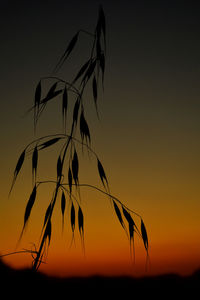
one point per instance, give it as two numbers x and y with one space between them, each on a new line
25 281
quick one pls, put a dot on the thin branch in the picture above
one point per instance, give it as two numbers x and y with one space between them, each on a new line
105 193
71 88
87 32
45 181
70 85
85 145
93 187
18 252
37 260
71 195
61 135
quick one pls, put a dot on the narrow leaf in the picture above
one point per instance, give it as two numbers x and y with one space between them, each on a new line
28 211
72 217
144 235
67 52
101 172
81 71
131 238
50 97
81 226
59 168
131 230
47 214
98 48
52 93
63 204
118 213
80 221
98 29
95 93
102 66
19 163
131 226
48 231
49 143
64 106
72 44
52 90
34 163
29 206
128 216
38 91
75 167
70 180
90 71
18 168
103 23
75 111
94 88
84 129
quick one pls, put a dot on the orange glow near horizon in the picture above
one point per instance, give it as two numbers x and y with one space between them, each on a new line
173 246
114 262
168 204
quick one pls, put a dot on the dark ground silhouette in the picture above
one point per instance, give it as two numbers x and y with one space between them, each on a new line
26 283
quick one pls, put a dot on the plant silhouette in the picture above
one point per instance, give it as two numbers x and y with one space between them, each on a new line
67 184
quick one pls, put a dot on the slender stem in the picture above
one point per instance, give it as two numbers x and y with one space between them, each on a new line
93 187
105 193
61 135
87 32
45 181
18 252
85 145
79 92
37 260
71 87
70 137
75 90
39 253
70 194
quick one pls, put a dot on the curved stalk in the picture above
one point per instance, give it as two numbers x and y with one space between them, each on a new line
36 263
107 194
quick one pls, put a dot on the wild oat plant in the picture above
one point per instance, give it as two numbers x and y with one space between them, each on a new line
67 184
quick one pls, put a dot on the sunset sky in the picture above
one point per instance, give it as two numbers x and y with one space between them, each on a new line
147 136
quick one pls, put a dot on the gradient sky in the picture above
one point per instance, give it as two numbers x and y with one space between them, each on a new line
147 139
